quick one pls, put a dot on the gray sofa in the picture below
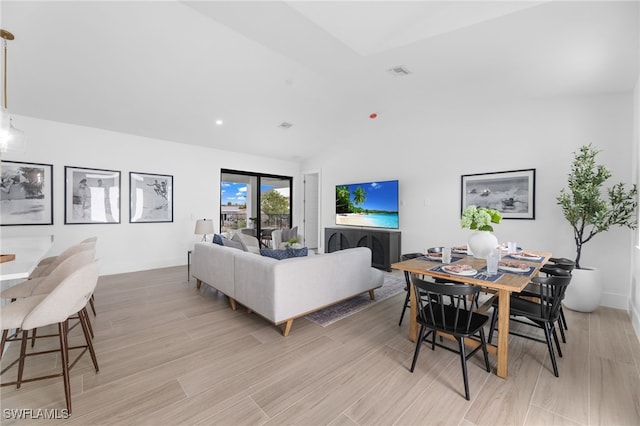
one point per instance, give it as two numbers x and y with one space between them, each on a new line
283 290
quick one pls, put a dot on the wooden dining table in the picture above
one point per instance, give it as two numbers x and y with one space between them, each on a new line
503 286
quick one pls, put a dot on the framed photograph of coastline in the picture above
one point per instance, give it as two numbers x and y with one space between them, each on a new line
91 196
151 198
512 192
26 193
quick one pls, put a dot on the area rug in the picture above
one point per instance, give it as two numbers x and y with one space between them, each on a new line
392 285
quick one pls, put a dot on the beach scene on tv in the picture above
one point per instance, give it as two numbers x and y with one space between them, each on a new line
373 204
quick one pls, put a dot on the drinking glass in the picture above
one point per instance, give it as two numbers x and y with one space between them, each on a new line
446 254
492 262
511 247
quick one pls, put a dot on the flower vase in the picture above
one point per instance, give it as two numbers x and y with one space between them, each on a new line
481 243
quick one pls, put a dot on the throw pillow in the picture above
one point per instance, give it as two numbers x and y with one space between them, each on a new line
237 238
288 234
217 239
231 243
284 254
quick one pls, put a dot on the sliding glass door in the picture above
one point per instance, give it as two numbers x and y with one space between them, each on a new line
254 203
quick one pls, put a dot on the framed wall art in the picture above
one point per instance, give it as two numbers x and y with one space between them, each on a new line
26 194
512 192
151 198
91 195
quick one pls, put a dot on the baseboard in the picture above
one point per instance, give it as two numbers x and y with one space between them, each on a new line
616 301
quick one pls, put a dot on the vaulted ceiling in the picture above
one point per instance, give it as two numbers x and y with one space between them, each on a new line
169 69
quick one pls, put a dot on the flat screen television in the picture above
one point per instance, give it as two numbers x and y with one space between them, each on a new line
368 204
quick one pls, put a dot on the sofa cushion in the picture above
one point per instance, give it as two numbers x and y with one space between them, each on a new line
285 253
235 243
217 239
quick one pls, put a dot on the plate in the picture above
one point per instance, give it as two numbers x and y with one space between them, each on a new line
504 248
430 257
520 257
512 269
459 250
468 273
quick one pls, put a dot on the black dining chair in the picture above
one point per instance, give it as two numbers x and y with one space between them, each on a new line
434 315
406 304
543 312
559 267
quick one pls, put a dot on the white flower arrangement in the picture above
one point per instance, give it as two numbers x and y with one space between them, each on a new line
479 218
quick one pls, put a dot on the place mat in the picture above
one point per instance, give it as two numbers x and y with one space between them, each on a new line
526 273
508 256
480 275
453 259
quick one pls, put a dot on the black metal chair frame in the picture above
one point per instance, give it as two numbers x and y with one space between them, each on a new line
408 281
556 267
458 319
542 313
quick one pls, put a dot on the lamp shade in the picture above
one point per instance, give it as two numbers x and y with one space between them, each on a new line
204 226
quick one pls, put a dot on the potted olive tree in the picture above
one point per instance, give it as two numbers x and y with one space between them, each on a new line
590 214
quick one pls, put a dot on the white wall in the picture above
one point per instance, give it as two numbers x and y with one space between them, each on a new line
428 147
634 299
126 247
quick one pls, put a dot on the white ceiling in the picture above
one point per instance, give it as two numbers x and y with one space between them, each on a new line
169 69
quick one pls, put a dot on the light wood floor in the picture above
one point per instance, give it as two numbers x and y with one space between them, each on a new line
172 354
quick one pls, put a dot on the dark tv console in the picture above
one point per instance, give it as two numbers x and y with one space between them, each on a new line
384 244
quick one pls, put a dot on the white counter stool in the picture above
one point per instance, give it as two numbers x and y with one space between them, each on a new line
67 299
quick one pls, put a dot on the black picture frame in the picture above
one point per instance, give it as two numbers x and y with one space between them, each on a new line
511 192
150 198
26 194
91 196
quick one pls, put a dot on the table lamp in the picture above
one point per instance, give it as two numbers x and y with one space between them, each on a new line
204 227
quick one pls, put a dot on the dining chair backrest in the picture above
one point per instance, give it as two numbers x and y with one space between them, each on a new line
457 317
561 262
66 299
93 240
551 292
63 270
70 251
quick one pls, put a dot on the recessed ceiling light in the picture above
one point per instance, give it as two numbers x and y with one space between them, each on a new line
285 125
219 122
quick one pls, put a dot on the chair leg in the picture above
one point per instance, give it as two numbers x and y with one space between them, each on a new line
547 334
5 333
561 328
484 350
555 338
63 328
23 351
89 326
492 327
463 361
564 320
404 307
93 308
84 321
33 337
417 351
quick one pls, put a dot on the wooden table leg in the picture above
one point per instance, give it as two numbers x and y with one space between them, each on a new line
413 312
503 332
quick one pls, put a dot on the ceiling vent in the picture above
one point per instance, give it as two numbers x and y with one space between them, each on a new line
399 71
285 125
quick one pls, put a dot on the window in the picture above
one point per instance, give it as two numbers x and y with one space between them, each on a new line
254 203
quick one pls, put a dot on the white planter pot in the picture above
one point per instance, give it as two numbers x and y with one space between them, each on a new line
584 291
481 243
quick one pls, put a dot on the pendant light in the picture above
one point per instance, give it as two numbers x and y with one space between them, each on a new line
11 139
